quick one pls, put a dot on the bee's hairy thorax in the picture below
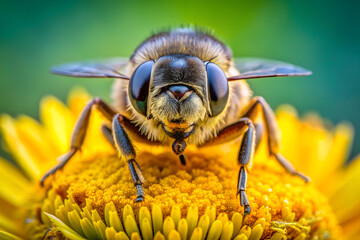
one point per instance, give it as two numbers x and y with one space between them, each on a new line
183 41
192 43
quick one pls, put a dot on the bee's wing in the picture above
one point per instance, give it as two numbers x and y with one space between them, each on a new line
262 68
110 68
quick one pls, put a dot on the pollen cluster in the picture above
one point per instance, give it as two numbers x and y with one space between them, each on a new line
287 206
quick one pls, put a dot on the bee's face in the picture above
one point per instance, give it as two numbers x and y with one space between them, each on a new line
178 90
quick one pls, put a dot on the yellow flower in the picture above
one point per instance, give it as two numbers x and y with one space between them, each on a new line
93 197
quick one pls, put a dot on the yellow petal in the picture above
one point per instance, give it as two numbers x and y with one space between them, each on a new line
241 237
21 154
88 228
215 230
211 212
58 121
261 221
197 234
121 236
223 217
109 207
159 236
157 218
77 100
114 221
100 229
15 188
130 225
37 141
174 235
146 229
66 230
227 231
8 224
204 224
168 226
110 233
175 214
8 236
256 232
237 219
74 219
278 236
128 211
345 198
183 228
246 230
335 156
192 219
144 213
135 236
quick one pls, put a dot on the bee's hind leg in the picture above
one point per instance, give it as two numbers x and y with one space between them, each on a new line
63 159
289 167
274 138
79 133
259 132
124 145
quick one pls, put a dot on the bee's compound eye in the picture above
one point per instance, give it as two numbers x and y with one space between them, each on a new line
139 86
218 88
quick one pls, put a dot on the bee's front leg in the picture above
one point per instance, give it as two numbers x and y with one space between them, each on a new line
245 155
123 143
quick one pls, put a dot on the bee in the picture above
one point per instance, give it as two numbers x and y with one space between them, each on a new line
182 87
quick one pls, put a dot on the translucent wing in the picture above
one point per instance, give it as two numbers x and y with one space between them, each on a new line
262 68
110 68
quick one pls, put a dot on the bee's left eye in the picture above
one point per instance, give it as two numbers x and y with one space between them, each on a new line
218 88
139 86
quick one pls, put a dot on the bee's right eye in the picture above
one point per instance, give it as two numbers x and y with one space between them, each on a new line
139 86
218 88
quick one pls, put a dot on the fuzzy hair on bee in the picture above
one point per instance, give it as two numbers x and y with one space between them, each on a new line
182 87
186 42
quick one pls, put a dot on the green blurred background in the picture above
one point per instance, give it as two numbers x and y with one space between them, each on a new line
323 36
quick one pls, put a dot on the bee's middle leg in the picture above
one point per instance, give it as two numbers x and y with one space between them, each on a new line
124 145
107 132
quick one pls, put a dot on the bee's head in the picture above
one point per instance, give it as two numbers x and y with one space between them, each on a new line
178 90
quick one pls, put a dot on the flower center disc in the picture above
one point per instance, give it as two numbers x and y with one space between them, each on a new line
283 204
